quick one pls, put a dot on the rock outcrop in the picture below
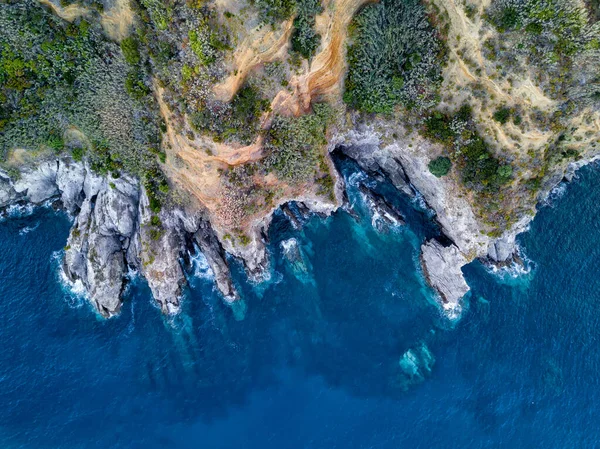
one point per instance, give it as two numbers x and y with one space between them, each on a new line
209 244
442 269
112 232
382 211
96 251
405 165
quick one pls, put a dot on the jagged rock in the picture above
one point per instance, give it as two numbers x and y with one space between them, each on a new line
70 177
501 250
291 216
210 246
95 253
159 249
382 211
442 269
364 148
38 184
7 193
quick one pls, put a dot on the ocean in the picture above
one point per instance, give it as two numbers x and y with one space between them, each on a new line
343 347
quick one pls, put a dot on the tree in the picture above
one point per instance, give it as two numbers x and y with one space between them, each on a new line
440 166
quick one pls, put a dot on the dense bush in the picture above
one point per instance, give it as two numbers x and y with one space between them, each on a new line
274 11
479 168
159 11
131 50
305 39
440 166
394 58
295 145
56 76
556 39
238 120
207 41
501 115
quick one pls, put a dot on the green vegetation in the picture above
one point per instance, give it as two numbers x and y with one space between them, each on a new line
305 39
56 76
295 145
274 11
159 11
440 166
131 50
206 41
556 39
480 170
395 58
501 115
238 120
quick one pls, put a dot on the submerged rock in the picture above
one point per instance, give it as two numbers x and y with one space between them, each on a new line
415 365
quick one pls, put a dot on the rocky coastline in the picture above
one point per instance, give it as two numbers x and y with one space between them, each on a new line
111 231
462 239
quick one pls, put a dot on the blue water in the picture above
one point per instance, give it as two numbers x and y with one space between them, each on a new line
315 362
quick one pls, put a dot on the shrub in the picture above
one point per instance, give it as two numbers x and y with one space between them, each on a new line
131 51
393 58
58 78
274 11
440 166
77 153
135 86
294 145
239 120
305 39
207 41
559 43
479 168
502 115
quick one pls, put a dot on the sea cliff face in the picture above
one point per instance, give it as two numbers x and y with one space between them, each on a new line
112 234
112 231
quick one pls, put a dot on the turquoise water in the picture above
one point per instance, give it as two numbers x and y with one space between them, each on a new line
342 349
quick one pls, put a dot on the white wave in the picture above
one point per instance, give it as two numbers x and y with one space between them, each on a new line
28 229
555 195
200 265
76 294
356 178
19 210
289 245
518 272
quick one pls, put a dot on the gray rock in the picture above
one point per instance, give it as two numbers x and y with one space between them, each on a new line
210 246
70 177
501 250
160 254
7 193
38 184
442 269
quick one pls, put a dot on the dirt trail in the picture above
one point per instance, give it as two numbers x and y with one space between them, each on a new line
259 47
116 21
69 13
469 66
326 72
